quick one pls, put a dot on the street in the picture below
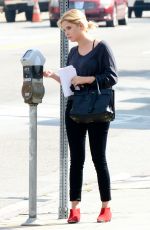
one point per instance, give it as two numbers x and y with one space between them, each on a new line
128 144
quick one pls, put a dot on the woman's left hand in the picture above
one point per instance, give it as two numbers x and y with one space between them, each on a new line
77 80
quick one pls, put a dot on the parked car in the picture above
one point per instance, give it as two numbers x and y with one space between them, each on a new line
12 7
138 6
110 11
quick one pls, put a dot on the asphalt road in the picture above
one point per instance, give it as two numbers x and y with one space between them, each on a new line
128 146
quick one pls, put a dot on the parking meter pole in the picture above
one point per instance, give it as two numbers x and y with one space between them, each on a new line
33 161
63 185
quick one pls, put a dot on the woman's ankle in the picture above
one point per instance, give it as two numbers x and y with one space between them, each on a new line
106 204
75 204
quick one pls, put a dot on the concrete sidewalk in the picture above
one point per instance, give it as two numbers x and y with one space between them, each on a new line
130 208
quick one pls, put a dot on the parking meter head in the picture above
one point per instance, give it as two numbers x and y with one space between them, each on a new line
33 89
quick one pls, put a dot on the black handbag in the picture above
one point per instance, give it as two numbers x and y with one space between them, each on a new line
93 105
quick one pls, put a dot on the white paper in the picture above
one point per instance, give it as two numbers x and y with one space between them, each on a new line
66 74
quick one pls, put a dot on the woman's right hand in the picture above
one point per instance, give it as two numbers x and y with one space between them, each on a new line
47 73
50 74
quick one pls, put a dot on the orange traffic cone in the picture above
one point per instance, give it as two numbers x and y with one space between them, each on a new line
36 17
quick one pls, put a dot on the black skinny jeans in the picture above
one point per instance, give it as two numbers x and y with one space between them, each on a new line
97 138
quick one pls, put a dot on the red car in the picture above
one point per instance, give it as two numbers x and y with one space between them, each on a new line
113 12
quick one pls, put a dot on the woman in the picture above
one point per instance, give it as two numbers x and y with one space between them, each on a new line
92 60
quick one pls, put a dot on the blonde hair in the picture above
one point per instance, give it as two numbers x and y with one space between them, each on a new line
76 17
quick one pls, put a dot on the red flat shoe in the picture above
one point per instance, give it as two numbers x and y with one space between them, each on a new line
104 216
74 216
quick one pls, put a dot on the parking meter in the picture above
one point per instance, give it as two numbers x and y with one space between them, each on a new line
33 89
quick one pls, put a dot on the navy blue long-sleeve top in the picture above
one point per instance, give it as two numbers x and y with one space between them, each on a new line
99 62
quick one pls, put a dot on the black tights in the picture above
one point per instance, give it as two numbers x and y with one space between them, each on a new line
97 138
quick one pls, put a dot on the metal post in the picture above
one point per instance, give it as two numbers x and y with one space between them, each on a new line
33 161
63 185
32 220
